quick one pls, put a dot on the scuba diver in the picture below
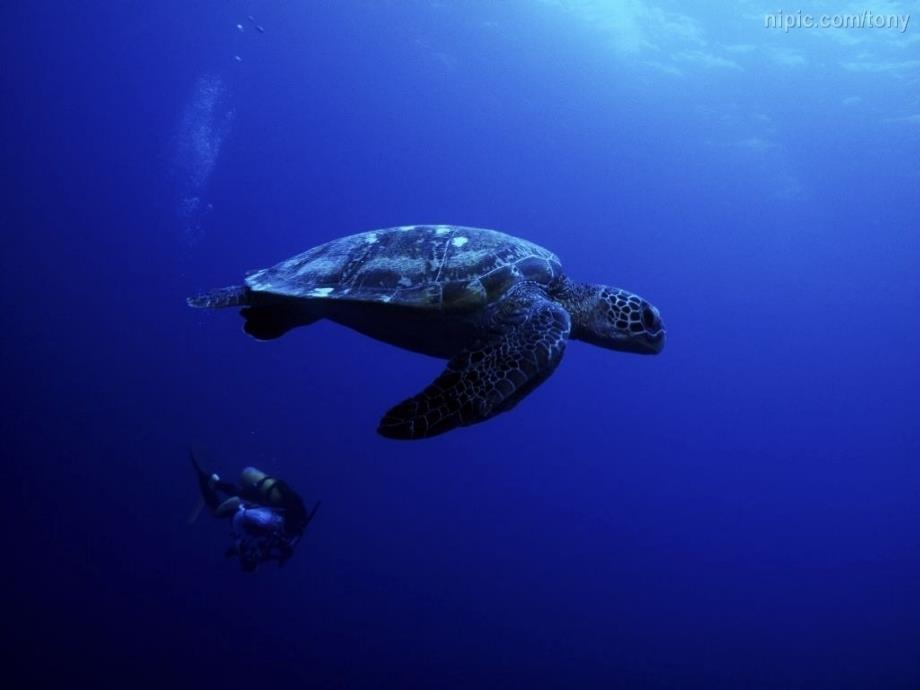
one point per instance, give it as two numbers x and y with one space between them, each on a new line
268 518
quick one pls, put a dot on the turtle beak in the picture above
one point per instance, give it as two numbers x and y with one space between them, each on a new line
640 343
654 335
655 341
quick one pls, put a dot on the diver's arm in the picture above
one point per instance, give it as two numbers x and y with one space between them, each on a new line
228 508
312 513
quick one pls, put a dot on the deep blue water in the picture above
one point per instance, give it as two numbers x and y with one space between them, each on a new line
738 512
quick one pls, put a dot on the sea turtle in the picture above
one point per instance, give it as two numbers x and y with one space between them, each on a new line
497 307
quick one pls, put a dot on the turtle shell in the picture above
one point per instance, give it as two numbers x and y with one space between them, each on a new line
423 266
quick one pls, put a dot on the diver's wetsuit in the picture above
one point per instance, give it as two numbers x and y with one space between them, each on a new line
268 516
259 536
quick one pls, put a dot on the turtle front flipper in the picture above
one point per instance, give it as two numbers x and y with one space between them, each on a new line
493 375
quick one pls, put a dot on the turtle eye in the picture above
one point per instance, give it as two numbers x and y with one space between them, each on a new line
648 318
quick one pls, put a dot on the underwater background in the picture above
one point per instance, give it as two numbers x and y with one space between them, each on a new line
738 512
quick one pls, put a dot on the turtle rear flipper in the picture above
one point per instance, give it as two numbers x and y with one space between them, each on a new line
492 376
270 321
267 316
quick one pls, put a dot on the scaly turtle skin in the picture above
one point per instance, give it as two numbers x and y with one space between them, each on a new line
497 307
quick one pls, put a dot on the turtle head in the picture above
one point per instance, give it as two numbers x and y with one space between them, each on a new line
613 318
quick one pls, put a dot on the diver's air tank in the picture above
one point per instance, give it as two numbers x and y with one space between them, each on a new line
269 491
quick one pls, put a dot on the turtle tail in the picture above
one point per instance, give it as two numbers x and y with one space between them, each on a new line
233 296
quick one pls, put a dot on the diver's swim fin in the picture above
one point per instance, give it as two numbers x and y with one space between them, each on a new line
312 513
208 494
196 511
198 470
